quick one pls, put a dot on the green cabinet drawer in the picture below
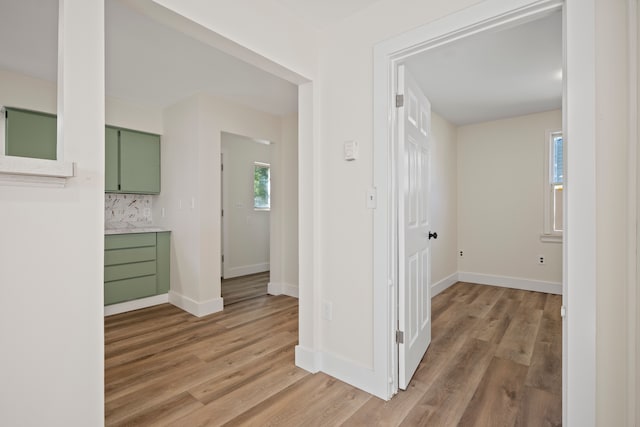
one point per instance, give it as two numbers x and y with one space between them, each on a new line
122 241
126 271
136 266
129 255
129 289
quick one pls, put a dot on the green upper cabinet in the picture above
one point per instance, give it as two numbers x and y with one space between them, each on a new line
111 178
139 162
132 161
30 134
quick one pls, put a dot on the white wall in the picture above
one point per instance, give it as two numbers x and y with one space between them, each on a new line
51 253
246 230
22 91
345 89
286 184
444 201
66 316
500 191
190 193
612 162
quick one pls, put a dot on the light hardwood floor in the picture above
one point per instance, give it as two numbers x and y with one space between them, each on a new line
243 288
495 360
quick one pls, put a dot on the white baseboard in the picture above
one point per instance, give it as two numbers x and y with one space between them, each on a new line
196 308
354 374
137 304
307 359
344 370
511 282
282 289
245 270
443 284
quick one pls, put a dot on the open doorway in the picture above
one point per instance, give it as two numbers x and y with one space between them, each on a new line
245 217
468 223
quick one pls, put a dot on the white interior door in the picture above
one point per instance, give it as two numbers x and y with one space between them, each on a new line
414 234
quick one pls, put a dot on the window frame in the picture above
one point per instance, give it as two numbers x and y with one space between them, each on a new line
268 167
549 234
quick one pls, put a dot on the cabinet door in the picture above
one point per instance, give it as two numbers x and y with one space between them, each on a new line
139 162
31 134
111 160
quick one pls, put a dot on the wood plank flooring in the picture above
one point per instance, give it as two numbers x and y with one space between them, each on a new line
495 360
243 288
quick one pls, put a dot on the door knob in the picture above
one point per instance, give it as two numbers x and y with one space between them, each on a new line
433 235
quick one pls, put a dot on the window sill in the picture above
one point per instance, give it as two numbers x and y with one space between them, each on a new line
25 171
551 238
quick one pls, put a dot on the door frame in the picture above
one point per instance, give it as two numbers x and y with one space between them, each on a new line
579 330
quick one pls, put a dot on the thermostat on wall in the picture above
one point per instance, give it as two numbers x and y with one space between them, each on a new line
350 150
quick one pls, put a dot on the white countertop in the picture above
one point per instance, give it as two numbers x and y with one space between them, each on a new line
128 230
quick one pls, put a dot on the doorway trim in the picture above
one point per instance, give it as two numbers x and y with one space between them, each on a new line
579 348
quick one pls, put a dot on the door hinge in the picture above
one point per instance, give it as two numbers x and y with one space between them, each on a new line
563 311
222 212
400 337
222 258
399 100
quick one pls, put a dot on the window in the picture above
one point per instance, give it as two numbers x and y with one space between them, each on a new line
554 185
261 186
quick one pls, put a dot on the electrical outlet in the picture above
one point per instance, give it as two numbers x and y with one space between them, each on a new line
461 254
541 260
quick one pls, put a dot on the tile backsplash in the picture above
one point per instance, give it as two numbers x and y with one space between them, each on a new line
127 210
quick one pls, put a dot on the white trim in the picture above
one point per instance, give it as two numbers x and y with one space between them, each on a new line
511 282
123 307
342 369
387 54
282 289
633 357
307 359
579 256
35 172
32 181
551 238
353 374
443 284
198 309
245 270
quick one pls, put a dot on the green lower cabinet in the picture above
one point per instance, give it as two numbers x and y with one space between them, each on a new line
129 289
136 266
163 250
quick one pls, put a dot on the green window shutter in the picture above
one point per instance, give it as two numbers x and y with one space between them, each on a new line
30 134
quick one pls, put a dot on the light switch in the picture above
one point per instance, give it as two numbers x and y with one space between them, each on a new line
350 150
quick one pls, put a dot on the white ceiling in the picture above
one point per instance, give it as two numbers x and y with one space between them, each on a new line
495 74
491 75
146 62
